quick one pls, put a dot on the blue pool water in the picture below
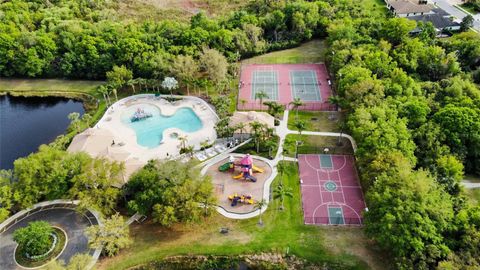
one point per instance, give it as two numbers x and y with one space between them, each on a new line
150 131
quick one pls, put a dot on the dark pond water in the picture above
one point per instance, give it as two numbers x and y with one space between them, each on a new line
26 123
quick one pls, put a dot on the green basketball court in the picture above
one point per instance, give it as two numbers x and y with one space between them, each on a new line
326 162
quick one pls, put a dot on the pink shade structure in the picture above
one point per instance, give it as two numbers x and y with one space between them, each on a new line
247 160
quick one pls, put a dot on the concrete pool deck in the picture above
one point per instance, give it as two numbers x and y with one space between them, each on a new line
126 146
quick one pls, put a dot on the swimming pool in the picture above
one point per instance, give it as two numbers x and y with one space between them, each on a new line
149 131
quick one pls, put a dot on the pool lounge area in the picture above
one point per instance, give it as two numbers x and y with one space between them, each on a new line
144 127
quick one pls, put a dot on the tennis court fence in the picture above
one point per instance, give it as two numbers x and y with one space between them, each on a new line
251 106
326 220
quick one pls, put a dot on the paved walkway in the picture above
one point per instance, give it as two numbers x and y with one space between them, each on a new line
449 7
470 185
69 220
282 131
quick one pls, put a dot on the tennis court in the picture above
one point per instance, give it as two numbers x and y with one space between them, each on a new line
283 83
265 81
331 192
305 85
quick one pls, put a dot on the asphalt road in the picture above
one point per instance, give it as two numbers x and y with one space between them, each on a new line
70 221
448 7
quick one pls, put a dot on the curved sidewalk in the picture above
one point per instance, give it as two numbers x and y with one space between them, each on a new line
282 131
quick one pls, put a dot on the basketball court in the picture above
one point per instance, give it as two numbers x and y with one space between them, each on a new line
331 192
283 83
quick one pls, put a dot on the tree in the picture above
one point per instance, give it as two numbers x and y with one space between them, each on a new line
274 108
409 214
170 84
119 76
467 23
281 192
6 194
261 96
55 167
296 103
243 102
170 191
102 90
186 69
241 127
74 118
259 205
256 127
183 142
214 64
281 168
112 235
94 186
270 144
300 126
35 239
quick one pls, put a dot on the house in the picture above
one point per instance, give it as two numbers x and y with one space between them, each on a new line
407 8
440 19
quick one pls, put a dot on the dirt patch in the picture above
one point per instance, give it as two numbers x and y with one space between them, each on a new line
352 240
226 185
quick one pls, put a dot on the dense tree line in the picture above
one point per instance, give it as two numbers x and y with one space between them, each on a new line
415 113
83 39
52 174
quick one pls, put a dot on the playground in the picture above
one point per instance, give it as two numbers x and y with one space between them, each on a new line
283 83
331 192
238 188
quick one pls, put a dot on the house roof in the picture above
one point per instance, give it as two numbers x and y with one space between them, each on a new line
438 21
407 6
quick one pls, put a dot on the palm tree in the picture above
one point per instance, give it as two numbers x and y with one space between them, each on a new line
270 144
132 83
261 96
296 103
241 127
183 142
243 102
189 150
256 128
281 192
87 118
102 89
281 168
300 126
335 100
74 119
259 205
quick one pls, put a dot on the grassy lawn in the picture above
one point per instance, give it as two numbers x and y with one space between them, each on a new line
48 85
474 195
178 10
316 144
318 121
375 7
468 7
338 248
309 52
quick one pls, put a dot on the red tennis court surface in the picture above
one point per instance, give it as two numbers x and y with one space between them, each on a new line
282 83
331 193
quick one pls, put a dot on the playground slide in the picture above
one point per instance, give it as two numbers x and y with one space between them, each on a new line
224 167
251 178
256 169
238 176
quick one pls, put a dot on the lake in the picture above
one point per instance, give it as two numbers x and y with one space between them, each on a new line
27 123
